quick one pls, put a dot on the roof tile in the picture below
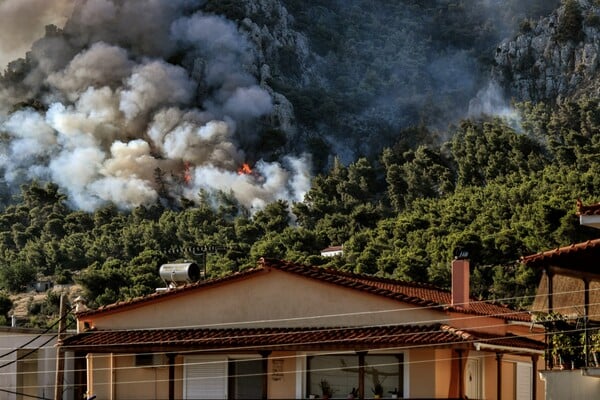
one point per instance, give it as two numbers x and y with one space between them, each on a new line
287 338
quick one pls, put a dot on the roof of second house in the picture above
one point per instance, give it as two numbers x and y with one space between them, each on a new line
326 338
593 209
418 294
575 260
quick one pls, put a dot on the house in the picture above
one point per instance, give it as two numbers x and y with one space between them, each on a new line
332 251
570 287
286 331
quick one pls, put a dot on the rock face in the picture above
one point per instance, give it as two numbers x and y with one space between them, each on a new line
540 64
268 27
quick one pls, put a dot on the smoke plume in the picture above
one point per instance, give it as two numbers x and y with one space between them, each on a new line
23 21
133 107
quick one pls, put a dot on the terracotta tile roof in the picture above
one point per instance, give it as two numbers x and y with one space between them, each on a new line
593 209
580 257
287 338
418 294
332 248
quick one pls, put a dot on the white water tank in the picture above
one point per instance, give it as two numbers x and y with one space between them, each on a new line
180 273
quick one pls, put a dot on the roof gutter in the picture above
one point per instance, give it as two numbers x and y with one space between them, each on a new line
506 349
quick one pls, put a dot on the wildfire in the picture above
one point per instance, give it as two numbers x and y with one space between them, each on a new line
187 176
244 169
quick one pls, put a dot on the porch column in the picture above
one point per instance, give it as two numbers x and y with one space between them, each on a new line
548 355
361 374
171 358
499 376
586 313
461 379
550 289
534 360
265 368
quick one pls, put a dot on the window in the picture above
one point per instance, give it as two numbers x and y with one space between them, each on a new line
343 373
222 378
246 379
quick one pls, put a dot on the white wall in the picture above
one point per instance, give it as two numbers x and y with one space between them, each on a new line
570 385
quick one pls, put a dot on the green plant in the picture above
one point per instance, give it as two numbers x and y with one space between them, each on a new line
326 389
377 389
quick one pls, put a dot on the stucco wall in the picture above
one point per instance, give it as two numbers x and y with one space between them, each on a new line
270 299
423 374
43 360
570 385
283 373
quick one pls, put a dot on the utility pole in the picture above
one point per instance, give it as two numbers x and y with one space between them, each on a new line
60 354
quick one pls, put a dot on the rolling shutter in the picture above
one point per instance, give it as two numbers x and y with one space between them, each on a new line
524 377
205 377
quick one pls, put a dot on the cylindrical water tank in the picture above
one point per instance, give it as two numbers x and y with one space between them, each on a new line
180 273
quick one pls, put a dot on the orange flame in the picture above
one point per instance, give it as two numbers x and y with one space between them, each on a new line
187 176
244 169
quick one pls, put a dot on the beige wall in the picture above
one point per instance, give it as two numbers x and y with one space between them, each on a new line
423 373
115 376
443 372
280 297
282 380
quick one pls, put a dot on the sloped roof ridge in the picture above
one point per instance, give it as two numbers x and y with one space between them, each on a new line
573 247
351 275
591 209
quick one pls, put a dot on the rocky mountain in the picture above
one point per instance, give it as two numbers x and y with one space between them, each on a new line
130 103
553 58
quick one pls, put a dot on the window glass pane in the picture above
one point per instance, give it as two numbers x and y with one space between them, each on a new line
246 379
339 371
383 375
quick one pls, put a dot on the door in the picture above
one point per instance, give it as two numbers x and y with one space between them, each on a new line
473 378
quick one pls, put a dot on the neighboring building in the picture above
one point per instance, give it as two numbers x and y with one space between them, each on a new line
332 251
279 330
28 364
570 286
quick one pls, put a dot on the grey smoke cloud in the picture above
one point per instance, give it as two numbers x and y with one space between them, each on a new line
115 109
23 21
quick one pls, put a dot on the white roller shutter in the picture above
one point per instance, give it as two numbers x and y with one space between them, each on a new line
205 377
524 376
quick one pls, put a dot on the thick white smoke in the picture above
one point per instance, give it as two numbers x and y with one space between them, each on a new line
107 115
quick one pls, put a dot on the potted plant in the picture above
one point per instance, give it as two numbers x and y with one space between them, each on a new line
353 394
595 347
564 346
377 390
394 393
326 390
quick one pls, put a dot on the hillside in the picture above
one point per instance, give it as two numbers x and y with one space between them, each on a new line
230 130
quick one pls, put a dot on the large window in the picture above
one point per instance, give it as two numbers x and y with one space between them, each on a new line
380 373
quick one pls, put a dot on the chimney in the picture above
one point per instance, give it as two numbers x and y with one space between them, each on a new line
460 282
